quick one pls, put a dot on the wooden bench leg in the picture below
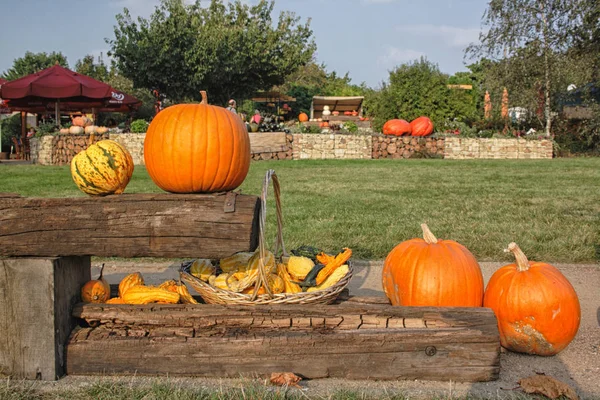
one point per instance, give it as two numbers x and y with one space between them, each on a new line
36 298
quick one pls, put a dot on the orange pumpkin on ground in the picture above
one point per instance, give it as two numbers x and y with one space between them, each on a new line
197 148
432 272
302 117
396 127
96 290
537 308
421 126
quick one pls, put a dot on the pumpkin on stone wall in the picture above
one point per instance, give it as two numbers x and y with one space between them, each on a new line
421 126
197 148
396 127
76 130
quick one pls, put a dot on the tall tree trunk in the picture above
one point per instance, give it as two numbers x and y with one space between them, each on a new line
546 65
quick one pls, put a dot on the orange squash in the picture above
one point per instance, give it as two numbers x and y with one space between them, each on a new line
396 127
421 126
197 148
302 117
537 308
96 290
432 272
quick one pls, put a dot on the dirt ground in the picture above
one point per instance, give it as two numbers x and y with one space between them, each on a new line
578 365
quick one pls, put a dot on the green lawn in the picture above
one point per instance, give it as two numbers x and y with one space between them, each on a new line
551 208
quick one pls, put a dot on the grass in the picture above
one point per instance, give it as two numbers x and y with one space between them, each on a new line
549 207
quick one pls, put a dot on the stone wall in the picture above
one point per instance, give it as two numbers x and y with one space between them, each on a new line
463 148
282 153
309 146
385 146
65 147
41 150
134 142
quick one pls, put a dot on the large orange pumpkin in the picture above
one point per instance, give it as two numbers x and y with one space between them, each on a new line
302 117
432 272
396 127
537 309
421 126
197 148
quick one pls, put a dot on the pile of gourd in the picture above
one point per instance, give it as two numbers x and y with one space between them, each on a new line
81 125
308 271
133 290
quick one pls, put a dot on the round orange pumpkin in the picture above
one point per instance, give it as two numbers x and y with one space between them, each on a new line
432 272
79 121
421 126
396 127
537 308
197 148
302 117
96 290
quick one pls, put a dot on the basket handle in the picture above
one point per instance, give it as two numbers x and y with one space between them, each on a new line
262 275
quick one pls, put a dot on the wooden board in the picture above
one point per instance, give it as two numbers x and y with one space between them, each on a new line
128 225
353 340
268 142
36 298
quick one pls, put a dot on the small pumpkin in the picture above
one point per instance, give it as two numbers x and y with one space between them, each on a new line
302 117
103 168
324 124
396 127
90 129
64 131
101 130
536 306
76 130
421 126
79 121
197 148
432 272
96 290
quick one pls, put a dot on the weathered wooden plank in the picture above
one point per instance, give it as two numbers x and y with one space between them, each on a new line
36 297
267 142
135 225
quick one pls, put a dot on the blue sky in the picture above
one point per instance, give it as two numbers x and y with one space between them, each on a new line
366 38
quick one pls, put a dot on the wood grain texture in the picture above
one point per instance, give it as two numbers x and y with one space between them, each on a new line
129 225
353 340
36 299
267 142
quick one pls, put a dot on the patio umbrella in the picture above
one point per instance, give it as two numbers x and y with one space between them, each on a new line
504 110
487 106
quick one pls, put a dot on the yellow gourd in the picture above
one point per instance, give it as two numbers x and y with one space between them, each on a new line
129 281
235 262
148 294
298 267
202 269
332 279
290 287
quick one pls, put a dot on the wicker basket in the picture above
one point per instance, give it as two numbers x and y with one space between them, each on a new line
213 295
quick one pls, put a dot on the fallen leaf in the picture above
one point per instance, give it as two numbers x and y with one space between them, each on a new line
285 379
548 386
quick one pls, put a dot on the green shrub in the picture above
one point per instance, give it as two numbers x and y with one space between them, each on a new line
139 126
350 127
11 127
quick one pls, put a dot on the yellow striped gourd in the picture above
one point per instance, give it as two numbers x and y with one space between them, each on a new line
103 168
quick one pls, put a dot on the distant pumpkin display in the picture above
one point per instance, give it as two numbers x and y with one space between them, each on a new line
197 148
396 127
302 117
421 126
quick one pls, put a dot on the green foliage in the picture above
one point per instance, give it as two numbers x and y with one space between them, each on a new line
350 127
576 137
11 127
230 50
46 129
413 90
34 62
139 126
87 66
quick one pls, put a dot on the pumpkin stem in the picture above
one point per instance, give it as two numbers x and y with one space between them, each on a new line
101 271
522 261
427 235
204 97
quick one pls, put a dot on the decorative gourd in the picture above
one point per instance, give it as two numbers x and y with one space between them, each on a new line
115 300
537 308
96 290
90 129
219 281
129 281
347 112
324 124
149 294
333 264
298 267
396 127
76 130
101 130
354 113
421 126
302 117
432 272
202 269
235 262
332 279
64 131
79 121
103 168
197 148
178 287
290 287
88 121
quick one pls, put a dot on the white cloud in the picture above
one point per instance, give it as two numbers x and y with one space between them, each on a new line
394 56
451 35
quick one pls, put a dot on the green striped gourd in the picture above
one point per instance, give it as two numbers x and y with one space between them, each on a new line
103 168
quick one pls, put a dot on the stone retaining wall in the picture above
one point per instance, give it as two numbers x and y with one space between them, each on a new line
134 142
385 146
309 146
463 148
284 154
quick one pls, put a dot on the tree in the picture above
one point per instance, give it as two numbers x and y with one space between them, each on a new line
87 66
414 89
515 24
231 51
34 62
